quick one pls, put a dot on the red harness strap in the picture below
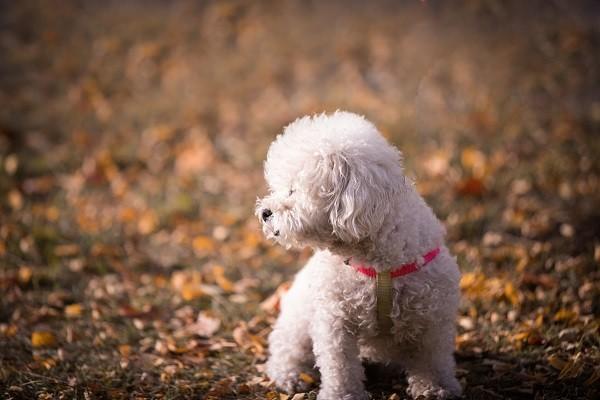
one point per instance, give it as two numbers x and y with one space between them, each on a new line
401 270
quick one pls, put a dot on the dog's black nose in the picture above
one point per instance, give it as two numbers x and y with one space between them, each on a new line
266 213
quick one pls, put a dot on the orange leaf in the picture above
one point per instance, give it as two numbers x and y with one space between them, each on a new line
306 378
219 275
474 161
203 244
73 310
191 291
25 274
125 350
42 339
470 187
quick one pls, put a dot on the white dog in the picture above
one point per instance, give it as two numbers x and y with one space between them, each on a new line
337 186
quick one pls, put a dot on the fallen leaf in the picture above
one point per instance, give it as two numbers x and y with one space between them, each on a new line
272 303
470 187
42 339
511 293
15 199
125 350
556 362
147 222
573 368
306 378
191 291
25 274
203 245
474 161
206 325
219 275
66 250
73 310
564 315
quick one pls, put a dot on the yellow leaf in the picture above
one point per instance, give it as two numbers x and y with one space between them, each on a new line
73 310
272 395
539 320
474 160
42 339
306 378
511 293
221 279
520 336
564 315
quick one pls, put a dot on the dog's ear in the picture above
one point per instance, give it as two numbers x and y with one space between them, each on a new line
357 194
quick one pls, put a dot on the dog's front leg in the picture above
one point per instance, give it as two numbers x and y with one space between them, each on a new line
431 367
337 357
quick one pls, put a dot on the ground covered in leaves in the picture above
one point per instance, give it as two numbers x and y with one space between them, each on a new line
132 136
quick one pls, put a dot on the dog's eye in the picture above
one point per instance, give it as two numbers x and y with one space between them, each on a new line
291 192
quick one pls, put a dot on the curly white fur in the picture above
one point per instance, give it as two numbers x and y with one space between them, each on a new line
338 186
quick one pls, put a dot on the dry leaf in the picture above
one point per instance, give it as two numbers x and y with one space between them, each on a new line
470 187
556 362
306 378
125 350
511 293
573 368
206 325
564 315
15 199
73 310
203 245
25 274
271 304
191 291
474 161
147 222
219 276
42 339
66 250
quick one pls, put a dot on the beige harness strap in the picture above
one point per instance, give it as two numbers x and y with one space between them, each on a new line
384 302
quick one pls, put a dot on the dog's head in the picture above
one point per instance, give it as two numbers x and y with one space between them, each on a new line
333 179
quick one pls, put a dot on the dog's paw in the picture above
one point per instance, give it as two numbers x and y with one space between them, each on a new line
419 388
292 383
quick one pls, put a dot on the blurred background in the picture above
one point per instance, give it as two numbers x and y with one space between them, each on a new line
132 136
